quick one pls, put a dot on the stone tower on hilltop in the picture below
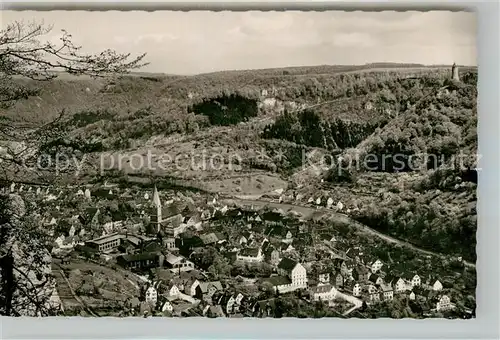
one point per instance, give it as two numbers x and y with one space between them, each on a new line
454 72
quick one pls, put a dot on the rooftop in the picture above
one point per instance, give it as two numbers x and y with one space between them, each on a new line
107 238
287 264
279 280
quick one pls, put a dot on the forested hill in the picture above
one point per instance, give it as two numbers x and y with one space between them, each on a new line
339 110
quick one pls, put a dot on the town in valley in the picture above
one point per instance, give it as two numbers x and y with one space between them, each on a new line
192 181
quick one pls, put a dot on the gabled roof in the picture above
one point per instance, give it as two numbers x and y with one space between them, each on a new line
285 246
170 211
172 259
205 286
265 245
279 280
373 278
138 257
151 246
253 252
88 214
219 236
209 238
322 289
390 279
385 288
287 264
361 270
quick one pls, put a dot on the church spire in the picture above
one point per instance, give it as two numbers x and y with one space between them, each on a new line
156 198
157 203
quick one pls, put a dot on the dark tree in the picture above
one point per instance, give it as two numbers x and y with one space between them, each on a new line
23 54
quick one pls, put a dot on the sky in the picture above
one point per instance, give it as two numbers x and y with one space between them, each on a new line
199 42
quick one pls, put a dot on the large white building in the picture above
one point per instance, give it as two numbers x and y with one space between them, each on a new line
292 276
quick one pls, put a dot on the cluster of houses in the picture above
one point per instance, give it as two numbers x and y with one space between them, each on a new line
188 291
363 277
260 237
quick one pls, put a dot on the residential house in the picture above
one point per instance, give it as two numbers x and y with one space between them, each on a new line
422 293
292 276
375 266
243 240
354 253
190 287
339 280
228 304
412 295
399 285
172 289
437 286
209 239
213 311
178 263
443 303
141 261
90 217
373 293
286 248
205 290
325 292
387 292
281 284
194 221
103 194
294 270
251 255
375 279
272 255
342 266
151 295
71 241
412 280
356 289
167 307
238 302
169 243
361 274
324 278
288 239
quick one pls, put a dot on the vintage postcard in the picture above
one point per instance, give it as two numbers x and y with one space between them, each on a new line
238 164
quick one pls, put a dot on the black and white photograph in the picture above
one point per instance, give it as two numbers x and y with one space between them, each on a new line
251 164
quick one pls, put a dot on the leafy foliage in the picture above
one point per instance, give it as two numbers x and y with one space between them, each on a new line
227 110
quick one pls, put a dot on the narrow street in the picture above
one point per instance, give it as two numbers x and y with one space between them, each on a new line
351 299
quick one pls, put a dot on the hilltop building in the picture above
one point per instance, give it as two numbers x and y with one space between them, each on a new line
454 72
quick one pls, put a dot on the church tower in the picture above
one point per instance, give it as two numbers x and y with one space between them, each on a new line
454 72
157 203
